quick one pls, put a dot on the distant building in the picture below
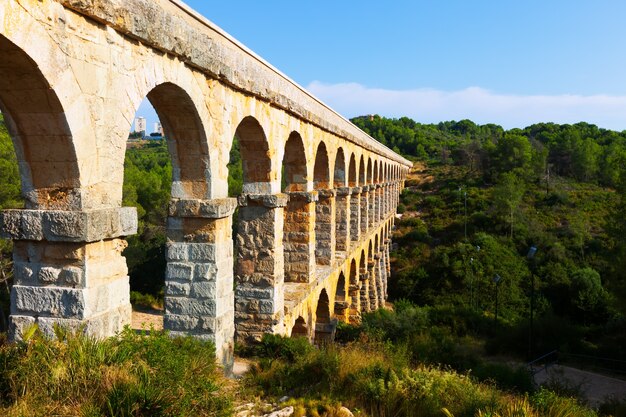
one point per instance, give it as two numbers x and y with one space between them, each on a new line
140 125
158 128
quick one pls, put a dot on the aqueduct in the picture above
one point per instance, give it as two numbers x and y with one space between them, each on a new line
318 201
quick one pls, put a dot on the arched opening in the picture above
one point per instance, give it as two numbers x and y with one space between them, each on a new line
324 209
341 305
363 282
352 172
324 327
354 292
300 328
256 163
298 242
375 275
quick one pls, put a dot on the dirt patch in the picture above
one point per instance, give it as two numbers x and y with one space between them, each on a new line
147 320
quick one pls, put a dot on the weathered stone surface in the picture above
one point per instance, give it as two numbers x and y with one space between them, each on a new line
68 226
265 200
210 209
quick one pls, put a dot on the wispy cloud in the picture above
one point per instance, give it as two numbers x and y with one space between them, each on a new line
474 103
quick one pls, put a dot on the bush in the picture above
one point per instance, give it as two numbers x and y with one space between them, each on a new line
133 374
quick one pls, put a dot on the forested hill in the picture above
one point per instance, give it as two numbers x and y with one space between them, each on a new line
480 196
581 151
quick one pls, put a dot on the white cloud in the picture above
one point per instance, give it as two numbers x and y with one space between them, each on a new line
474 103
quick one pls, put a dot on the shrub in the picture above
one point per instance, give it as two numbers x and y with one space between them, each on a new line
133 374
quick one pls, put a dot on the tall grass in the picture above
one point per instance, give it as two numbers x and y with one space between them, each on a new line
130 375
378 379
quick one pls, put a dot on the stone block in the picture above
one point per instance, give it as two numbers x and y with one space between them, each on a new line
182 323
177 289
201 252
179 271
188 306
176 251
203 290
50 301
48 275
205 272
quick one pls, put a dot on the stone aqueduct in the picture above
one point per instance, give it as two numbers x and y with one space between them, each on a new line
73 73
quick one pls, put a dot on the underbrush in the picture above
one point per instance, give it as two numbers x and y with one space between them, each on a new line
129 375
142 301
378 379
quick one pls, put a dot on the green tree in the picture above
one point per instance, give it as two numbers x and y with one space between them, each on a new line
585 159
513 153
507 196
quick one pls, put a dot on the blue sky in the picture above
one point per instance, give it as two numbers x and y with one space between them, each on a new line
506 62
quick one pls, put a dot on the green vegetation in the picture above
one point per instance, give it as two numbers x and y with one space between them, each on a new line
147 184
378 374
131 375
476 204
477 200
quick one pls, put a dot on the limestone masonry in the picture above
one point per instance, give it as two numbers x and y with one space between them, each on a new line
73 73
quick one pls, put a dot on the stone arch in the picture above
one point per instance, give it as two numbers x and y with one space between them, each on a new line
354 293
324 328
255 157
369 178
294 164
187 142
352 180
42 138
363 281
299 214
300 328
340 298
324 209
339 173
376 177
362 179
321 169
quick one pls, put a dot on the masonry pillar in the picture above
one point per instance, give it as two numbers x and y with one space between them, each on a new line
383 201
383 277
259 266
354 291
355 214
365 288
386 269
199 298
380 278
364 210
388 256
379 203
342 219
299 236
373 267
69 269
372 206
325 227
